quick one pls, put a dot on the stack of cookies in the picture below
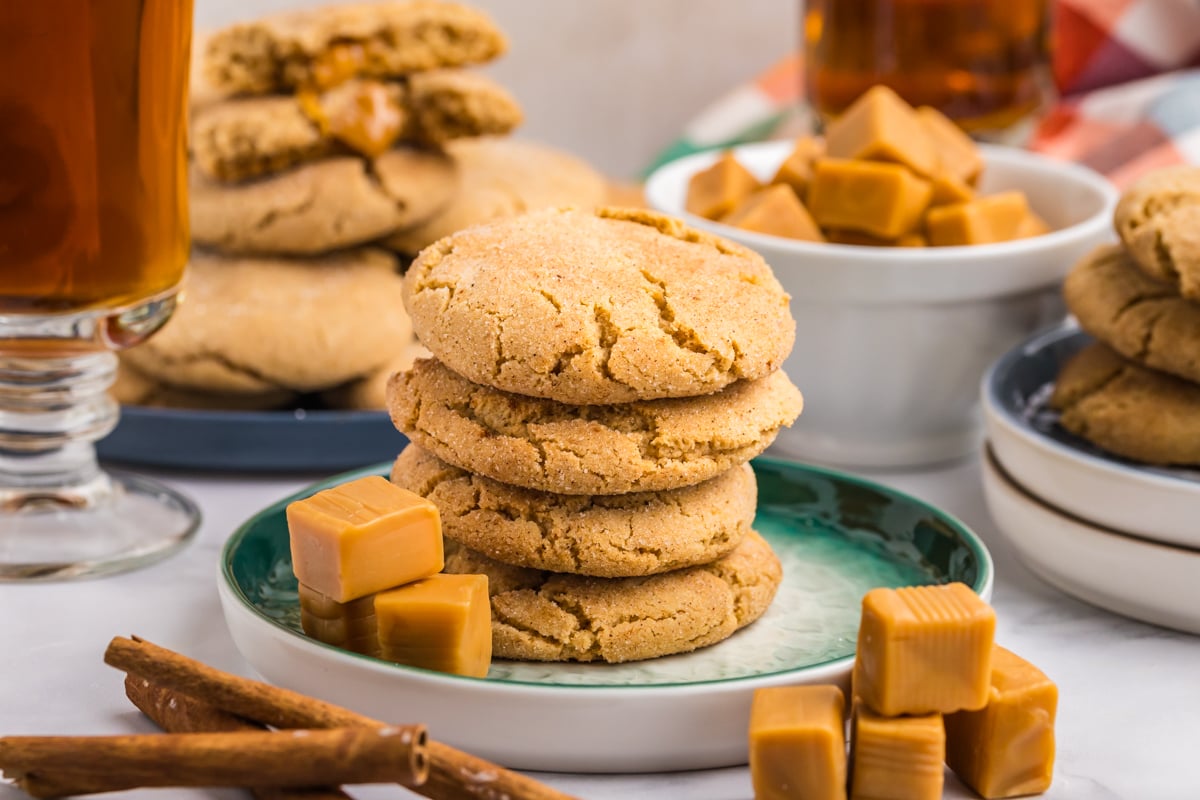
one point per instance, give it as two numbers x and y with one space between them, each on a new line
600 381
325 152
1136 392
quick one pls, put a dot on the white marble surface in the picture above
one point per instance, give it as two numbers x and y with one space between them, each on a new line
1128 720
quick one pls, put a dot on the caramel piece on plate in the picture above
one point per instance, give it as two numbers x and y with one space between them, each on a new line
713 193
880 126
1006 749
884 200
949 189
910 239
956 151
798 743
797 169
363 536
984 220
925 649
895 758
350 626
443 622
777 211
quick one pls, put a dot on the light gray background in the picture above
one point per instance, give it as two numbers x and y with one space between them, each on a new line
612 80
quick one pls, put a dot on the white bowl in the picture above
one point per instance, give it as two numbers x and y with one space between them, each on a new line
891 342
1133 577
1155 503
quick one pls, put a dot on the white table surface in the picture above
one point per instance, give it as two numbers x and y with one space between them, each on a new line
1128 716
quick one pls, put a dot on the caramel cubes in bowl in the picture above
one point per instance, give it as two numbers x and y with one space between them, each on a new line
885 174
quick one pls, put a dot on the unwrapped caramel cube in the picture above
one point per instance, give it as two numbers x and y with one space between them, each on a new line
350 626
984 220
948 188
895 758
713 193
884 200
798 743
363 536
443 623
776 211
1032 225
956 152
797 169
1006 749
924 649
880 126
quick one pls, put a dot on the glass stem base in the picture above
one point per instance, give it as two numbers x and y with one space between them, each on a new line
61 515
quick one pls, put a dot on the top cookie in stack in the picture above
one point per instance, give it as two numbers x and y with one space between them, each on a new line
315 134
601 379
1136 392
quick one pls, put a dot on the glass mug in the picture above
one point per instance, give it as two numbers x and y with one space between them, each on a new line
93 245
983 63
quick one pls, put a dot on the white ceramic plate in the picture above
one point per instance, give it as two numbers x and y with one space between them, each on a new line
1150 502
1137 578
837 537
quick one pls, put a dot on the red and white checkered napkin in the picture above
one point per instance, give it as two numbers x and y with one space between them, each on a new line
1129 102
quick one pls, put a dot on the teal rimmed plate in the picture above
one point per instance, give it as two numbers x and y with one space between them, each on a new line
836 535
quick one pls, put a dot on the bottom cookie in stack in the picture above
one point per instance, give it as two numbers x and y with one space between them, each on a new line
256 332
603 578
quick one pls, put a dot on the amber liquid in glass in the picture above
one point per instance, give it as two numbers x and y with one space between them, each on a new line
93 203
984 63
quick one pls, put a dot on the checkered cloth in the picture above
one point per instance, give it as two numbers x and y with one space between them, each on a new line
1127 72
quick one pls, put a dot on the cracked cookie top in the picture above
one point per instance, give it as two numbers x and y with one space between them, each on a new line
644 446
611 536
600 307
1129 410
1158 219
1143 319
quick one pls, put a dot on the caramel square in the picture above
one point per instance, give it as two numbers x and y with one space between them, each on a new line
350 626
895 758
1006 749
363 536
775 211
880 126
957 153
796 170
443 622
798 743
925 649
984 220
883 200
712 193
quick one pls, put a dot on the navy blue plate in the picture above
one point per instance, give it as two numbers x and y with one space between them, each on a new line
252 441
1019 385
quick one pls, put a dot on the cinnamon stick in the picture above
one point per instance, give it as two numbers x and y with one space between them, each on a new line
60 766
453 774
178 713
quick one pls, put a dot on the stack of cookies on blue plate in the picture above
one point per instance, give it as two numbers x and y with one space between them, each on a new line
600 381
323 155
1136 391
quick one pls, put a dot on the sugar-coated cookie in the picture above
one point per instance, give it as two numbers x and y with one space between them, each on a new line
610 536
248 137
545 616
598 307
319 207
256 325
1158 219
1143 319
319 46
1127 409
503 177
645 446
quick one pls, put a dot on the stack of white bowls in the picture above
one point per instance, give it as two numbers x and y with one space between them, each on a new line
1121 535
